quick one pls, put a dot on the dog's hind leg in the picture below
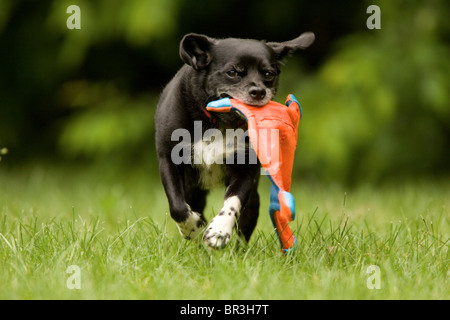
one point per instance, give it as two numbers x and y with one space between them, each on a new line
249 216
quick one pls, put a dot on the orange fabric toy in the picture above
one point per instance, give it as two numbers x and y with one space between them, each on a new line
272 130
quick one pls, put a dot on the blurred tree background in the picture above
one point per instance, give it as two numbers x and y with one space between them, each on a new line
376 103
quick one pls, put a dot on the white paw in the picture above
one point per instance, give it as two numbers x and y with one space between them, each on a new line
219 231
192 226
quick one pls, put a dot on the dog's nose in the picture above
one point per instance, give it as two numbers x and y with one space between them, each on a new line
257 93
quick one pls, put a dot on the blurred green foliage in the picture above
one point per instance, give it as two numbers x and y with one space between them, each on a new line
376 102
380 105
109 121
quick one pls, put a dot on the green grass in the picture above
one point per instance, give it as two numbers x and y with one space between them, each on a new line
116 229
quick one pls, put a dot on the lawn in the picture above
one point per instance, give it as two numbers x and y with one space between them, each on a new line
116 231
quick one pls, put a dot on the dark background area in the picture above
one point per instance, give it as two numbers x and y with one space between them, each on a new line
376 103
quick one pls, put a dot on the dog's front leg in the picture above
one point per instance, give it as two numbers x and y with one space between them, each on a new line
189 222
218 232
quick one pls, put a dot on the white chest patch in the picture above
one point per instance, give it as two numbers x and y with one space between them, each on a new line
208 159
210 154
211 176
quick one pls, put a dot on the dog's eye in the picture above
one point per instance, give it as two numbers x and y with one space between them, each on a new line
232 73
269 75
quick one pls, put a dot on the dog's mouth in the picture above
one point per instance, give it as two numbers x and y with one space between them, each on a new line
225 95
248 100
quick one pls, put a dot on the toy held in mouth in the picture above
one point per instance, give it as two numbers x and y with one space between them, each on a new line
272 130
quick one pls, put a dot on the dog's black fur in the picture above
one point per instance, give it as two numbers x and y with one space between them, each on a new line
246 70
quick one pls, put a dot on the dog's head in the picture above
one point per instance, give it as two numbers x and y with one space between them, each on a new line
246 70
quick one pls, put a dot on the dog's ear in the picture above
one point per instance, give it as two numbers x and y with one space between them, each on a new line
282 49
195 50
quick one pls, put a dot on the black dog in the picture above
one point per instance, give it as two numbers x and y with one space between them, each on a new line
246 70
